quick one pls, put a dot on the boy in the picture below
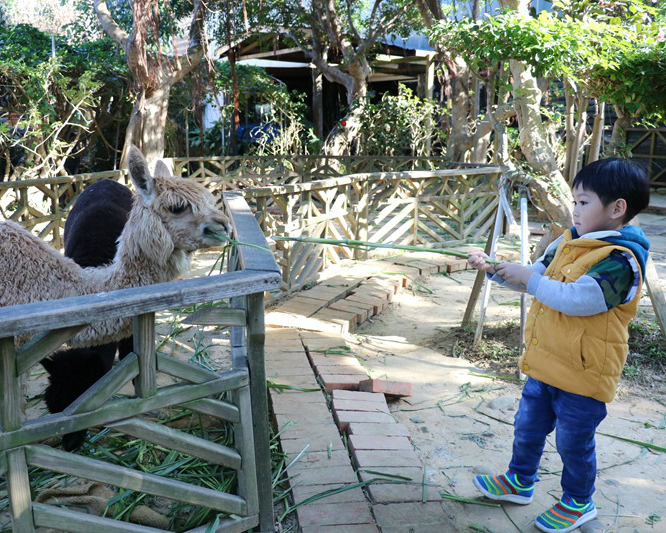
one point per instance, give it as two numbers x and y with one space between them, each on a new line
586 288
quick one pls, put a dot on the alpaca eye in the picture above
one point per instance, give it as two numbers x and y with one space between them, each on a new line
177 209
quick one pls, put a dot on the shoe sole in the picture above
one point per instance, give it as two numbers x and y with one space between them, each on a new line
513 498
582 520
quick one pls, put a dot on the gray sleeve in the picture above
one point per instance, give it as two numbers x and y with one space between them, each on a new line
537 267
584 297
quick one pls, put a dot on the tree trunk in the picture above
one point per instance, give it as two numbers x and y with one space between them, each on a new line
618 142
550 190
597 132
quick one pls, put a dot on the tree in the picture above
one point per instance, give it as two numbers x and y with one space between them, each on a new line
65 104
153 70
338 37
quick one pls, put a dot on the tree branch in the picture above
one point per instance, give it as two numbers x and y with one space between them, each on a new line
109 25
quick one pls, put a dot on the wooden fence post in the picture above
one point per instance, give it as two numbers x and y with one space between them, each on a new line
256 337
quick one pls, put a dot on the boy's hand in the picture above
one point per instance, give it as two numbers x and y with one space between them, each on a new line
514 274
477 260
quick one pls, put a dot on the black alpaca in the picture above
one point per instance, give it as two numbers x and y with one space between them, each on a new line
91 231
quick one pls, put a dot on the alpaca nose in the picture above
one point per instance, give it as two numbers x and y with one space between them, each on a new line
222 222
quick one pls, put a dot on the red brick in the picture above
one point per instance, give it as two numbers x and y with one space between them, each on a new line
341 381
301 382
280 397
343 370
411 473
378 305
390 430
303 431
343 418
378 442
316 444
319 459
353 405
348 307
374 292
334 514
347 320
349 528
456 266
359 396
332 475
401 492
398 389
302 493
372 458
302 409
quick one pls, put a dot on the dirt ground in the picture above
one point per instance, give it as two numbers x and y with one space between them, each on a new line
462 423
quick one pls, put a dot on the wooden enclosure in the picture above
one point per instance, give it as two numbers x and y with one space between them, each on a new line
251 272
649 147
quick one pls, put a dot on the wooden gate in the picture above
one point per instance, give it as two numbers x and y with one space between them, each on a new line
253 272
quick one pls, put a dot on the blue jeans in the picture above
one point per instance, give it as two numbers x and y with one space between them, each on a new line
575 418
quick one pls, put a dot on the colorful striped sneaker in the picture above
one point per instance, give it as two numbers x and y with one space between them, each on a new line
505 487
566 515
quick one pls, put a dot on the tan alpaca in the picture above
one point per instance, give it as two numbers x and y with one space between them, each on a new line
169 220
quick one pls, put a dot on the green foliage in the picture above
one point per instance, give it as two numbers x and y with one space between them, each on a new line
62 101
400 125
614 51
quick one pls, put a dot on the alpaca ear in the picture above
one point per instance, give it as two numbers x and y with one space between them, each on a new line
138 170
162 169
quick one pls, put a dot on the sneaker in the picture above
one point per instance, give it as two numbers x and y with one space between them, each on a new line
566 515
505 487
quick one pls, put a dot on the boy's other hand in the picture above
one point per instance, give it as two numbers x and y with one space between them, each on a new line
514 274
477 260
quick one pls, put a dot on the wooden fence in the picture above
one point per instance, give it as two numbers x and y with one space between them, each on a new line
408 207
252 271
649 147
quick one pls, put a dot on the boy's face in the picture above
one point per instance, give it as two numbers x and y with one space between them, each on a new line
590 214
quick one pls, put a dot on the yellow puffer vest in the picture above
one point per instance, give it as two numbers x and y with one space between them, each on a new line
579 354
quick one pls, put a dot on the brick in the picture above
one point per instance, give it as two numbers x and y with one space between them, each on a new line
398 389
280 397
303 382
412 473
378 305
343 370
343 418
348 528
318 356
456 266
332 475
358 396
341 381
347 320
310 459
291 320
389 430
302 409
299 307
334 514
348 307
378 442
415 516
401 492
305 430
373 292
353 405
315 444
371 458
296 419
301 493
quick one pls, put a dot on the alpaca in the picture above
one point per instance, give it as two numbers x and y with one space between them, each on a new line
170 219
92 228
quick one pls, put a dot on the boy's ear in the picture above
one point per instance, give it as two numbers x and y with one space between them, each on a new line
619 208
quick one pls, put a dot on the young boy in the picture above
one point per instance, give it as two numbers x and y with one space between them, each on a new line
586 288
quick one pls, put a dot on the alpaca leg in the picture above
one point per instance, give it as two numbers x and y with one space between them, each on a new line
71 373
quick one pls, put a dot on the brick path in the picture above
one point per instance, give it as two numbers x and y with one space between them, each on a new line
344 436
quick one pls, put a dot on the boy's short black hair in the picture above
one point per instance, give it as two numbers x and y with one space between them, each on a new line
614 178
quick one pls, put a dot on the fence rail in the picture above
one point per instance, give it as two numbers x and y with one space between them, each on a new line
251 273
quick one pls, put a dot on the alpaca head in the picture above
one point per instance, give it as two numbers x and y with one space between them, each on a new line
171 215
